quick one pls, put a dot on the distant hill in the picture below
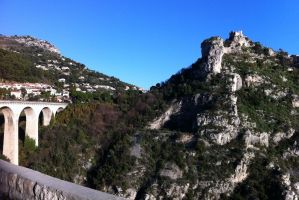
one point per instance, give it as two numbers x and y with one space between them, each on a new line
27 59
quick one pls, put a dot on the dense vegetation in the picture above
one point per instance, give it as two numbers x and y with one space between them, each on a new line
17 67
92 128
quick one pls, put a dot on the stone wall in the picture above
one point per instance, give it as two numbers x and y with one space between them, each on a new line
20 183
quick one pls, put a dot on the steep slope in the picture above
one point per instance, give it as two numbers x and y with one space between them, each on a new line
224 128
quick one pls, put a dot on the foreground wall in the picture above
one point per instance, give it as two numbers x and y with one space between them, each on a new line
21 183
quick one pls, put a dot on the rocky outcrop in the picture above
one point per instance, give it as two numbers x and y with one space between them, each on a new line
227 186
20 183
238 39
241 172
295 101
254 80
236 82
275 94
171 171
212 51
177 192
283 135
222 126
218 128
186 138
253 138
292 190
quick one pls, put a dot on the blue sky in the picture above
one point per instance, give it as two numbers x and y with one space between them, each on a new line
144 42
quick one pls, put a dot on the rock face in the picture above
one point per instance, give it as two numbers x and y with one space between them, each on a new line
228 131
212 51
231 120
227 186
236 82
256 139
20 183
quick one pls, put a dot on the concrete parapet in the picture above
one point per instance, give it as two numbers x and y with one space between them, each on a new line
20 183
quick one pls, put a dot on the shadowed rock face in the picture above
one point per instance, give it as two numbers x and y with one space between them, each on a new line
20 183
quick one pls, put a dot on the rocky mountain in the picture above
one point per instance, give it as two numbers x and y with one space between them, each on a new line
228 132
224 128
26 59
240 104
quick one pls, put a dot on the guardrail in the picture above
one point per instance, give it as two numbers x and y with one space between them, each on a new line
20 183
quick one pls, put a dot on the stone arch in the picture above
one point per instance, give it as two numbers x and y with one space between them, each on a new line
11 136
46 113
31 123
60 109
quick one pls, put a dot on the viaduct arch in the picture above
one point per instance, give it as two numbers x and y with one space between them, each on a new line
11 110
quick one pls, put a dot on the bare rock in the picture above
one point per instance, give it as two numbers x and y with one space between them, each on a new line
171 171
219 129
254 80
236 82
295 101
212 51
252 139
283 135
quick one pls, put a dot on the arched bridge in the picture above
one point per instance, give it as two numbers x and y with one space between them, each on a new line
11 110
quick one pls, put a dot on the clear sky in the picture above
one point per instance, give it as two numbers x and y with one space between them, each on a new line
144 42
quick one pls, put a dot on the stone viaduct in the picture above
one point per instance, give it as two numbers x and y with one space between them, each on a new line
12 110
